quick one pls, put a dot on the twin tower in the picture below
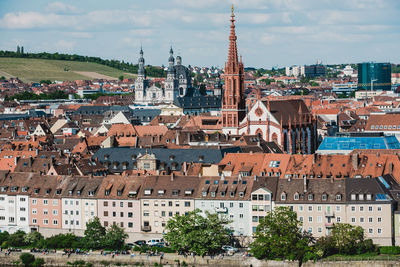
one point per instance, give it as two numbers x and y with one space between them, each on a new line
176 85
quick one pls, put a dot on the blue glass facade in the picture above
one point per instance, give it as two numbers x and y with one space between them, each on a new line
379 73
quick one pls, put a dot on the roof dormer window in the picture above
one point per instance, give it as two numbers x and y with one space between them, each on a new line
25 189
310 197
175 192
48 190
36 191
283 196
360 197
58 191
353 196
296 196
161 192
324 197
338 197
14 188
147 192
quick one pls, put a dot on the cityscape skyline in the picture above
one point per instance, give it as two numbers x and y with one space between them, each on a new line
289 32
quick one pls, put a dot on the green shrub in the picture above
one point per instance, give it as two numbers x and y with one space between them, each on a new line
392 250
89 264
39 262
27 259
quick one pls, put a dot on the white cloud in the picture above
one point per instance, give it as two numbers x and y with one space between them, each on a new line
59 7
30 20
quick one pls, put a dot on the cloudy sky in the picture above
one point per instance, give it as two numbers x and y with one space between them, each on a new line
270 32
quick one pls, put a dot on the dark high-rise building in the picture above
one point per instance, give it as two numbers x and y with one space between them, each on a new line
377 75
314 71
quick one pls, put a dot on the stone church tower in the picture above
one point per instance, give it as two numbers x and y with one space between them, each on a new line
141 83
233 102
171 84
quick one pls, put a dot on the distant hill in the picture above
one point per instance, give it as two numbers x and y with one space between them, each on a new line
34 70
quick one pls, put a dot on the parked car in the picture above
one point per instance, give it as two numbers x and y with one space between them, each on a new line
229 249
155 242
139 243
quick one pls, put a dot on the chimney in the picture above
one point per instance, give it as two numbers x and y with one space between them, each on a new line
37 151
354 161
255 177
16 160
172 176
185 167
305 183
177 137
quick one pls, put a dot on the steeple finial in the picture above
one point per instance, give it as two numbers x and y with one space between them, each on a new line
232 15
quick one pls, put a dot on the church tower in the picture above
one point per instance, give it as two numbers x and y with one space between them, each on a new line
233 102
141 81
171 84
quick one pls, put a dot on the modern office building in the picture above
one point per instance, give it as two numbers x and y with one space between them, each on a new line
314 70
374 76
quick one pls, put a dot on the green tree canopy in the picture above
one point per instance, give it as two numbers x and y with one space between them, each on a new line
115 237
27 259
94 234
33 238
279 236
196 233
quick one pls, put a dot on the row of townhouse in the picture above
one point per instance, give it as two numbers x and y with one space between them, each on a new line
142 205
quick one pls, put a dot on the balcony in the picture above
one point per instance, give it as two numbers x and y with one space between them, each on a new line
329 225
146 228
329 214
221 210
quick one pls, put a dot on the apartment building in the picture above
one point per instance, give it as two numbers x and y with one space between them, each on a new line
163 197
118 203
14 202
79 202
45 204
230 198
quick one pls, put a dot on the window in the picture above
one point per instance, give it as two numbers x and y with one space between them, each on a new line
146 213
301 218
301 208
379 208
360 197
338 219
121 214
130 214
370 231
319 219
296 196
324 197
55 222
241 216
361 219
361 208
310 197
45 212
55 212
169 203
353 220
105 203
105 213
370 219
34 211
274 164
45 221
353 196
121 204
310 208
55 202
379 230
370 208
130 224
34 201
310 219
369 196
187 203
379 219
146 203
283 196
353 209
338 197
177 203
34 221
319 208
338 208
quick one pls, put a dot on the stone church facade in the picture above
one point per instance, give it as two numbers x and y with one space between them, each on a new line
177 83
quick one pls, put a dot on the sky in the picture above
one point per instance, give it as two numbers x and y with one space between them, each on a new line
271 33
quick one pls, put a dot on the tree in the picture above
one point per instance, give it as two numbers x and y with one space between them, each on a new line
27 259
196 233
94 234
115 238
33 238
39 262
279 236
17 239
121 78
202 89
345 237
4 237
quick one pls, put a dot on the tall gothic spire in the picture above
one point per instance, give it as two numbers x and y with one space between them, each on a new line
171 61
232 54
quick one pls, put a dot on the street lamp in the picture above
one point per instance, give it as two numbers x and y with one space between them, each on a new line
372 84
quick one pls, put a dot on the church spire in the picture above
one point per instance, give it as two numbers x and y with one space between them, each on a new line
171 61
233 102
233 54
141 70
